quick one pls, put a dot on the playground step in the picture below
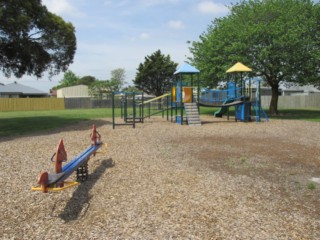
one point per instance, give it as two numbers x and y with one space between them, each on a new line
192 108
192 113
192 121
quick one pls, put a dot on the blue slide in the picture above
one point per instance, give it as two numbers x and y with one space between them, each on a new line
223 109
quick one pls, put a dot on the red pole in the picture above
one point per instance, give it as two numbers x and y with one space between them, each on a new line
95 137
61 156
43 180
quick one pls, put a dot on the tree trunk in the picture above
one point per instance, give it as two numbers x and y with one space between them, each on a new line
273 108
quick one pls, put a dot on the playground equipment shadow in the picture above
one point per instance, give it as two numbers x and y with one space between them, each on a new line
80 200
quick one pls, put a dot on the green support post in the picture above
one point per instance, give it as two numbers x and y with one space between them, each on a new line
113 119
167 108
134 110
181 99
142 105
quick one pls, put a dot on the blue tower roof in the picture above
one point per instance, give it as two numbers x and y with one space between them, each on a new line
186 68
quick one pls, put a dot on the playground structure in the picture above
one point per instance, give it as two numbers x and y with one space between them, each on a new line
179 105
238 95
134 107
57 181
185 92
182 104
127 102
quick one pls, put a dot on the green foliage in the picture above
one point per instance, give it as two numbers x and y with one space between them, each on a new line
155 74
97 88
33 40
311 186
117 79
87 80
278 39
69 79
130 89
100 89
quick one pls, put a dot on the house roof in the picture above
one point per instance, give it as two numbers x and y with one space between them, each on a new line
20 89
75 86
305 88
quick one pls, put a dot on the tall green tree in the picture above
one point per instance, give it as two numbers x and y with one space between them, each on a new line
87 80
69 79
118 79
279 39
33 40
99 89
155 74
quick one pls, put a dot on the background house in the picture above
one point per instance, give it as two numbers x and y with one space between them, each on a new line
79 91
300 90
17 90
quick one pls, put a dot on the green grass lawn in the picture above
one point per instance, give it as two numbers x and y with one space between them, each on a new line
24 122
287 114
299 114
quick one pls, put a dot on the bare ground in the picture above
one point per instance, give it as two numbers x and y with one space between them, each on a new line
222 180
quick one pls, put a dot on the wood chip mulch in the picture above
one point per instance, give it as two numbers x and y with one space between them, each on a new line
221 180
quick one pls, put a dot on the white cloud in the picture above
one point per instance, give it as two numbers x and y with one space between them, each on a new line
176 24
62 7
212 7
144 36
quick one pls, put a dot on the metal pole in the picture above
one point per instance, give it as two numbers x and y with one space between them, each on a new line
121 107
198 92
113 123
167 108
259 99
142 106
134 109
181 99
125 107
192 98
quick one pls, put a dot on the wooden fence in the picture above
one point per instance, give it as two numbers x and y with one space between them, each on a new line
30 104
27 104
294 102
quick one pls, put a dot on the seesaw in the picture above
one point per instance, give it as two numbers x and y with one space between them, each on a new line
57 181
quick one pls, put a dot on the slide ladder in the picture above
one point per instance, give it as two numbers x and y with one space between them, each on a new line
192 112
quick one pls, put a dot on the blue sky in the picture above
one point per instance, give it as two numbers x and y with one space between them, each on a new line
115 34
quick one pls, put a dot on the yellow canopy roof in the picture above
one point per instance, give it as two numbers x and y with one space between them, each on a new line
239 67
